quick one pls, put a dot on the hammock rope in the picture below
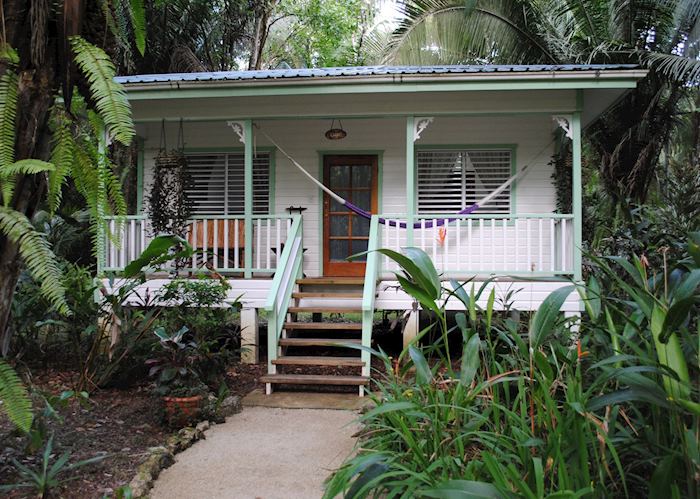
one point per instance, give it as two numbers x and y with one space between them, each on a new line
396 223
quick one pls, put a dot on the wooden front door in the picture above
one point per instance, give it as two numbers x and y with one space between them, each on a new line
354 178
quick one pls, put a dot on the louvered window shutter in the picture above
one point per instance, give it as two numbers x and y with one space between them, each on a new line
451 180
218 183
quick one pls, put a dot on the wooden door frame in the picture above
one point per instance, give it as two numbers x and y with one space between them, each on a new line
346 268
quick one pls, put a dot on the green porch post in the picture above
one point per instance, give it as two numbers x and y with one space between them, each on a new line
248 197
577 194
410 180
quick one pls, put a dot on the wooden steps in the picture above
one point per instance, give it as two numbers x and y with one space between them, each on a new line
314 379
304 343
324 326
337 281
318 342
324 310
310 360
327 294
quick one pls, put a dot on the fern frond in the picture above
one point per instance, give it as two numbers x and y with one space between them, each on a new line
37 256
109 96
8 172
8 106
14 399
62 151
137 12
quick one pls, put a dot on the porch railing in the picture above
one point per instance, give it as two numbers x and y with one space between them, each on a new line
280 293
523 244
219 241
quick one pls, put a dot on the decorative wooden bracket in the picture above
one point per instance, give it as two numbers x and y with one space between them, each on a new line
237 127
564 122
420 124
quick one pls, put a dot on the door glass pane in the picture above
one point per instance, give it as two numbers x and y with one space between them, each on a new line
358 246
361 176
360 226
340 176
336 206
339 249
339 225
362 199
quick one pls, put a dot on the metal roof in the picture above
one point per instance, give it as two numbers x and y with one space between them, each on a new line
323 73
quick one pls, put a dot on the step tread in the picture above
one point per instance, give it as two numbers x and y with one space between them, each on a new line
340 281
310 360
310 342
325 294
323 325
314 379
324 310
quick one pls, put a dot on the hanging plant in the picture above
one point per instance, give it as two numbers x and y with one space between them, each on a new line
169 207
562 172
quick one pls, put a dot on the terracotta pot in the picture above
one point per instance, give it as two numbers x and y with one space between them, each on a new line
182 410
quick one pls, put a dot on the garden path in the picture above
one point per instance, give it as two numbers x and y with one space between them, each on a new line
262 452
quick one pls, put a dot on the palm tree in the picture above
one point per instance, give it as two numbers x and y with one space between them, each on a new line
45 140
664 35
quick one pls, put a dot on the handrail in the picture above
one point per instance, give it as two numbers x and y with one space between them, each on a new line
280 294
370 291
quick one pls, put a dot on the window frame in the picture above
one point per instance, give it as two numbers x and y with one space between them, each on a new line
512 148
272 168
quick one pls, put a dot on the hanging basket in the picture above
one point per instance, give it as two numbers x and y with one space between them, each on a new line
170 159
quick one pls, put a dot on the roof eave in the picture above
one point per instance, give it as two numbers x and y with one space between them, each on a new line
391 81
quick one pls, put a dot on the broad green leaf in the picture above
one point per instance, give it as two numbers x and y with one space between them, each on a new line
462 489
389 407
547 314
470 360
423 373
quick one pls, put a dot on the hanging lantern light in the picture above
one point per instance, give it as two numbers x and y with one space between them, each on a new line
336 133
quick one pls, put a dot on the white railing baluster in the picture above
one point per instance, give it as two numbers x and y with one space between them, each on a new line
422 234
446 248
481 244
528 241
563 245
469 243
257 250
540 250
268 248
516 228
278 243
236 245
435 232
205 241
194 244
215 246
132 240
493 245
552 236
142 226
459 244
505 246
226 244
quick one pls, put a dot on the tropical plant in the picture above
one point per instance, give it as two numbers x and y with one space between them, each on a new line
662 35
47 474
535 408
45 140
14 399
174 367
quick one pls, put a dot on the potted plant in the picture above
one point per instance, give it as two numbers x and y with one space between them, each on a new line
177 380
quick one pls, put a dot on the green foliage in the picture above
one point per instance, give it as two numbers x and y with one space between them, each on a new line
36 254
8 106
161 250
175 364
109 97
47 474
14 399
536 410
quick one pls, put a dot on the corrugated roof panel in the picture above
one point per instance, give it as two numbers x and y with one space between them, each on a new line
363 71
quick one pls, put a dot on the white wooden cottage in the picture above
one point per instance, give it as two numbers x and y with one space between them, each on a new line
420 144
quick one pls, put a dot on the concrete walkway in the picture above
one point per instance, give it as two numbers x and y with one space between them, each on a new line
264 453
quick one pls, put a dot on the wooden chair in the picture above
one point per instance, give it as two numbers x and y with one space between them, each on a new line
219 243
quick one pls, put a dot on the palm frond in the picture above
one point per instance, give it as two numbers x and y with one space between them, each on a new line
8 106
8 172
680 69
109 96
14 399
137 12
455 31
37 256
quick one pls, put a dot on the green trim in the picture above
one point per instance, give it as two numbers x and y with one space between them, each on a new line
577 197
380 182
140 144
219 90
388 116
411 179
513 148
248 197
230 149
272 180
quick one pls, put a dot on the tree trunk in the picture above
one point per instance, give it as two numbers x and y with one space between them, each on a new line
37 88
